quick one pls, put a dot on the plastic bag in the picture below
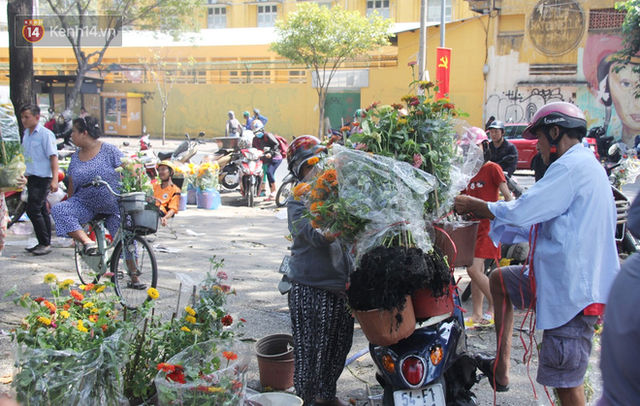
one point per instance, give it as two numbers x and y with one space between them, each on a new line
9 130
52 377
388 193
10 173
209 373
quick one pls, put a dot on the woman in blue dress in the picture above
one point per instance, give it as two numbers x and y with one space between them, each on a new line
93 158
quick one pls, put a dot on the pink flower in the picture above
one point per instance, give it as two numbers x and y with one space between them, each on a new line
223 275
412 63
417 160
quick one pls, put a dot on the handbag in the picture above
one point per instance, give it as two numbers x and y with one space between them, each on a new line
284 286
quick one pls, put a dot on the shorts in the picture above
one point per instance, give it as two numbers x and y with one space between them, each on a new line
564 355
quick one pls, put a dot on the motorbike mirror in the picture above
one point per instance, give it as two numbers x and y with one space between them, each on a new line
186 135
201 134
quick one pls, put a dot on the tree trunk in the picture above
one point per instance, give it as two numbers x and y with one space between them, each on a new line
164 122
322 95
20 59
77 86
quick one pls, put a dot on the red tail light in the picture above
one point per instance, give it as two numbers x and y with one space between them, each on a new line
413 370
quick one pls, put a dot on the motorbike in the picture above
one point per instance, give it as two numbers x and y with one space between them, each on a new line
17 200
288 183
430 367
185 151
250 162
227 155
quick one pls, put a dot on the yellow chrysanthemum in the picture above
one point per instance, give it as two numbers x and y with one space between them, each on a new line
50 278
66 283
81 327
65 314
183 328
189 310
88 304
101 288
44 320
190 319
215 389
153 293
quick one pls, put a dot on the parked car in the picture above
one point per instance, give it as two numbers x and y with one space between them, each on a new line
527 148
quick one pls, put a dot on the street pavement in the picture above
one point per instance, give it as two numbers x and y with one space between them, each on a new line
252 243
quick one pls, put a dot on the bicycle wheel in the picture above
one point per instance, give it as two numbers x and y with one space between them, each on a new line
85 272
283 194
137 259
16 208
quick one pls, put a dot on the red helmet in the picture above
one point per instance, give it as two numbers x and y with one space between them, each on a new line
562 114
300 150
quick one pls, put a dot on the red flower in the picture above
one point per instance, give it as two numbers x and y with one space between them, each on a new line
166 367
227 320
176 376
40 299
236 385
225 288
243 320
230 355
449 106
104 328
77 295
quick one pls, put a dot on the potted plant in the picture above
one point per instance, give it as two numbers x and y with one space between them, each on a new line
207 197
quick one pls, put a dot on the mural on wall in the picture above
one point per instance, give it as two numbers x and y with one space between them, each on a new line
520 104
609 101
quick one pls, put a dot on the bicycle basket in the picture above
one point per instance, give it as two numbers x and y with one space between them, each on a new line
143 221
132 202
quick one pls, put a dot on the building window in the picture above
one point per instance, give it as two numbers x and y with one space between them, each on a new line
381 6
217 17
267 15
433 10
606 18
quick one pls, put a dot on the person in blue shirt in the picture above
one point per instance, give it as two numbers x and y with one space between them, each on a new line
258 116
41 156
571 215
248 120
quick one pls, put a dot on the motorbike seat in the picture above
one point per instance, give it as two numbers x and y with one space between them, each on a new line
163 156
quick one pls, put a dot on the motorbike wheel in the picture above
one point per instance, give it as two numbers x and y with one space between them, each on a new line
283 193
16 208
251 196
230 185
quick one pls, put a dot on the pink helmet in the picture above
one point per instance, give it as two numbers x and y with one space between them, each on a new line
475 135
562 114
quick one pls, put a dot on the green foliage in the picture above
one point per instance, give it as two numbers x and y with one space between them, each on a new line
631 38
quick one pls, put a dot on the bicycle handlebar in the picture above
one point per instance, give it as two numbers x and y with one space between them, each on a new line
97 181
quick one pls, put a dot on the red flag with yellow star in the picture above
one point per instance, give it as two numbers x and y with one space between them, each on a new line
443 68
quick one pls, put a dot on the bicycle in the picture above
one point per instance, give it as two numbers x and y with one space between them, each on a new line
131 254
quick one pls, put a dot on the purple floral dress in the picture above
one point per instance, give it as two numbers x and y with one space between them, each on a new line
87 202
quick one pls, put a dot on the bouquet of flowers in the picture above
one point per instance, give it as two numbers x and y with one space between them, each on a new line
207 373
133 177
77 339
11 154
421 131
188 173
207 176
626 172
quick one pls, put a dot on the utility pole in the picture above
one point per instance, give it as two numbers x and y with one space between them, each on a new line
422 51
442 23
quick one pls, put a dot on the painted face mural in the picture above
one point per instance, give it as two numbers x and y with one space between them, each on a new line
610 102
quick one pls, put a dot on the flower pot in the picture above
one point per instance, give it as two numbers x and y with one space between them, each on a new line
275 361
208 199
276 398
425 305
191 195
153 401
184 199
381 327
463 236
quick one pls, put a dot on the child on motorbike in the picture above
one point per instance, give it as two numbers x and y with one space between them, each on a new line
272 157
485 185
321 324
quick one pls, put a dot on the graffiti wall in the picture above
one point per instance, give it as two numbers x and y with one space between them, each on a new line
519 104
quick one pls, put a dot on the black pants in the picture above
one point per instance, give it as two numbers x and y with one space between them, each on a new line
37 208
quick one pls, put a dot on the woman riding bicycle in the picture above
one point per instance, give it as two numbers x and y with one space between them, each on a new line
93 158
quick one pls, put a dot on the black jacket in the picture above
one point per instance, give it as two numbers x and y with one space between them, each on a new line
505 152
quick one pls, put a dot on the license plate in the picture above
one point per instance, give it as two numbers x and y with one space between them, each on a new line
427 396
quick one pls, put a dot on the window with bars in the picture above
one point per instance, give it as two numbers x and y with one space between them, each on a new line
267 15
217 17
433 10
381 6
606 18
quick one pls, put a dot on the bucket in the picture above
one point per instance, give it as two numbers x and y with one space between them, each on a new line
208 199
463 236
275 399
183 202
382 328
425 305
275 361
191 194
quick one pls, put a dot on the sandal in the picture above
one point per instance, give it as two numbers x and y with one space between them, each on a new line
487 320
136 285
90 249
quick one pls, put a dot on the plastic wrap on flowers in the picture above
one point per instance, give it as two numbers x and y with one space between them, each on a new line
8 124
388 193
465 164
208 373
10 173
52 377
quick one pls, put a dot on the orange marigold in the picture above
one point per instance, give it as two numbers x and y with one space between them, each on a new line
89 286
315 206
49 305
313 160
93 318
300 190
230 355
317 194
77 295
330 175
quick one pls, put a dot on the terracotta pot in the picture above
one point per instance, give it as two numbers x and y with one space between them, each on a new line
382 328
463 237
425 305
275 361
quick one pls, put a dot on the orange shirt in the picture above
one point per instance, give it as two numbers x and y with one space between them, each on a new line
167 198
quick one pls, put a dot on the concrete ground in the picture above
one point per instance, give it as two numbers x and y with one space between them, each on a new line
252 243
